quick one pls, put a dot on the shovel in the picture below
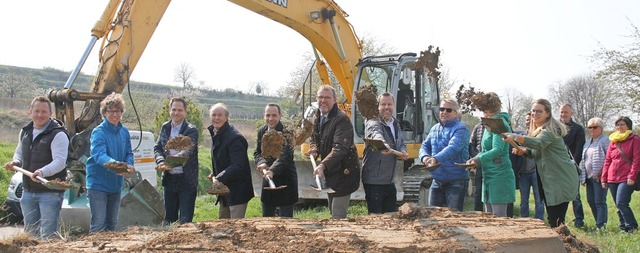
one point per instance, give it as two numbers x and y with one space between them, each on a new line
51 184
318 183
379 146
497 126
272 186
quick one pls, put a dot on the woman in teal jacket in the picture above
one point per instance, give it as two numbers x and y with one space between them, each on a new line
498 183
557 173
110 142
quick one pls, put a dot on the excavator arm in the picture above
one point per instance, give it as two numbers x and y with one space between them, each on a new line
324 24
126 26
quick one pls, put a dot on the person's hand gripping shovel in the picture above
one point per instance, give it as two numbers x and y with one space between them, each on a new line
272 186
51 184
318 182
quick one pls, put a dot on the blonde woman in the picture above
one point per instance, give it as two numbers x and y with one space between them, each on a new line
558 175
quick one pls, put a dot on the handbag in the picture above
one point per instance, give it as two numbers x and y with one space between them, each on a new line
636 186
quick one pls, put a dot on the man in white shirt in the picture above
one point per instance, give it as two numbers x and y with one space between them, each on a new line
42 149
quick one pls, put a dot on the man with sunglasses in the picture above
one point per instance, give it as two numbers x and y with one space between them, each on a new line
446 144
574 140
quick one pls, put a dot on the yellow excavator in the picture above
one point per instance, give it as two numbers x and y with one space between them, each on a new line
126 26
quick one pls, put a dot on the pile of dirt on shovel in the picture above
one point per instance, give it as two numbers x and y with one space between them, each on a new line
412 229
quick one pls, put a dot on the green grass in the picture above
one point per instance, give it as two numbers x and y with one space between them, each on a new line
611 239
6 154
207 210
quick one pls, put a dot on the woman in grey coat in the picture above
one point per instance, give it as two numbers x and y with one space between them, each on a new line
593 156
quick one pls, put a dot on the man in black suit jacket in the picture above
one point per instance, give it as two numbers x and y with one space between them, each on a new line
230 163
180 183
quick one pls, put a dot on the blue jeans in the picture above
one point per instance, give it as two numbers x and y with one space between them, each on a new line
41 211
578 212
528 181
380 198
597 199
178 199
447 194
621 193
104 210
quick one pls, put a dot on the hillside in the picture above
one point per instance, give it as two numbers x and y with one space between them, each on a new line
147 98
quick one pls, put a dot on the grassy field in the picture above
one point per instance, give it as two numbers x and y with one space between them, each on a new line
609 240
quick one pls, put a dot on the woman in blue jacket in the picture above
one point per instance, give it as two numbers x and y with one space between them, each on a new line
110 142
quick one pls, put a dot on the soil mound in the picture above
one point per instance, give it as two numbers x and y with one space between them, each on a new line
412 229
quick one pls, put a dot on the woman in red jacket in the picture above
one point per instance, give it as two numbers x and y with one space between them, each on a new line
621 170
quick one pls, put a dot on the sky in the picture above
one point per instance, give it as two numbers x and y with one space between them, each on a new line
492 45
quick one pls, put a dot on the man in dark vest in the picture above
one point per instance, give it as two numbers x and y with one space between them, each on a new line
42 149
574 140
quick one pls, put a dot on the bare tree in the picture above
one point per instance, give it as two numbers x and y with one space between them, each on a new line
446 82
622 67
184 74
588 96
14 84
516 104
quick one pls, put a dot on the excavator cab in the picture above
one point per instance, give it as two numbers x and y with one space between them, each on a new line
414 93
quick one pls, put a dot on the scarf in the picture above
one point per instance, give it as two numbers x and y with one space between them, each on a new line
619 137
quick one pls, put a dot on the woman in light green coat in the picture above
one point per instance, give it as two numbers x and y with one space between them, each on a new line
557 173
498 180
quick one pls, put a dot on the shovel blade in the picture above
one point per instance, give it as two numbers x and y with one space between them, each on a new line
325 190
495 125
141 206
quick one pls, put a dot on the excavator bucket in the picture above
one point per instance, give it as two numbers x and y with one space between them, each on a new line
141 206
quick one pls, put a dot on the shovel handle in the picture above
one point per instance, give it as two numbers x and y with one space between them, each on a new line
29 174
396 152
513 144
271 184
313 161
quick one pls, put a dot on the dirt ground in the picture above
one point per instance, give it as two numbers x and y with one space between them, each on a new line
412 229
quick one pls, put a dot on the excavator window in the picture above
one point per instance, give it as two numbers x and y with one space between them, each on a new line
378 76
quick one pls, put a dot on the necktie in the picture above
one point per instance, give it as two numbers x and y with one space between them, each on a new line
323 119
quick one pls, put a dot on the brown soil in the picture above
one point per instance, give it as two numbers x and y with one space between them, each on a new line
179 142
302 132
58 184
367 101
272 144
412 229
117 167
218 188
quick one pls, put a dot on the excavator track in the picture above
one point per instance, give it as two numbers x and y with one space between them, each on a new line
411 183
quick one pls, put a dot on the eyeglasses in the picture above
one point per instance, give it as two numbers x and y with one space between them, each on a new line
324 97
536 111
114 112
449 110
593 127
